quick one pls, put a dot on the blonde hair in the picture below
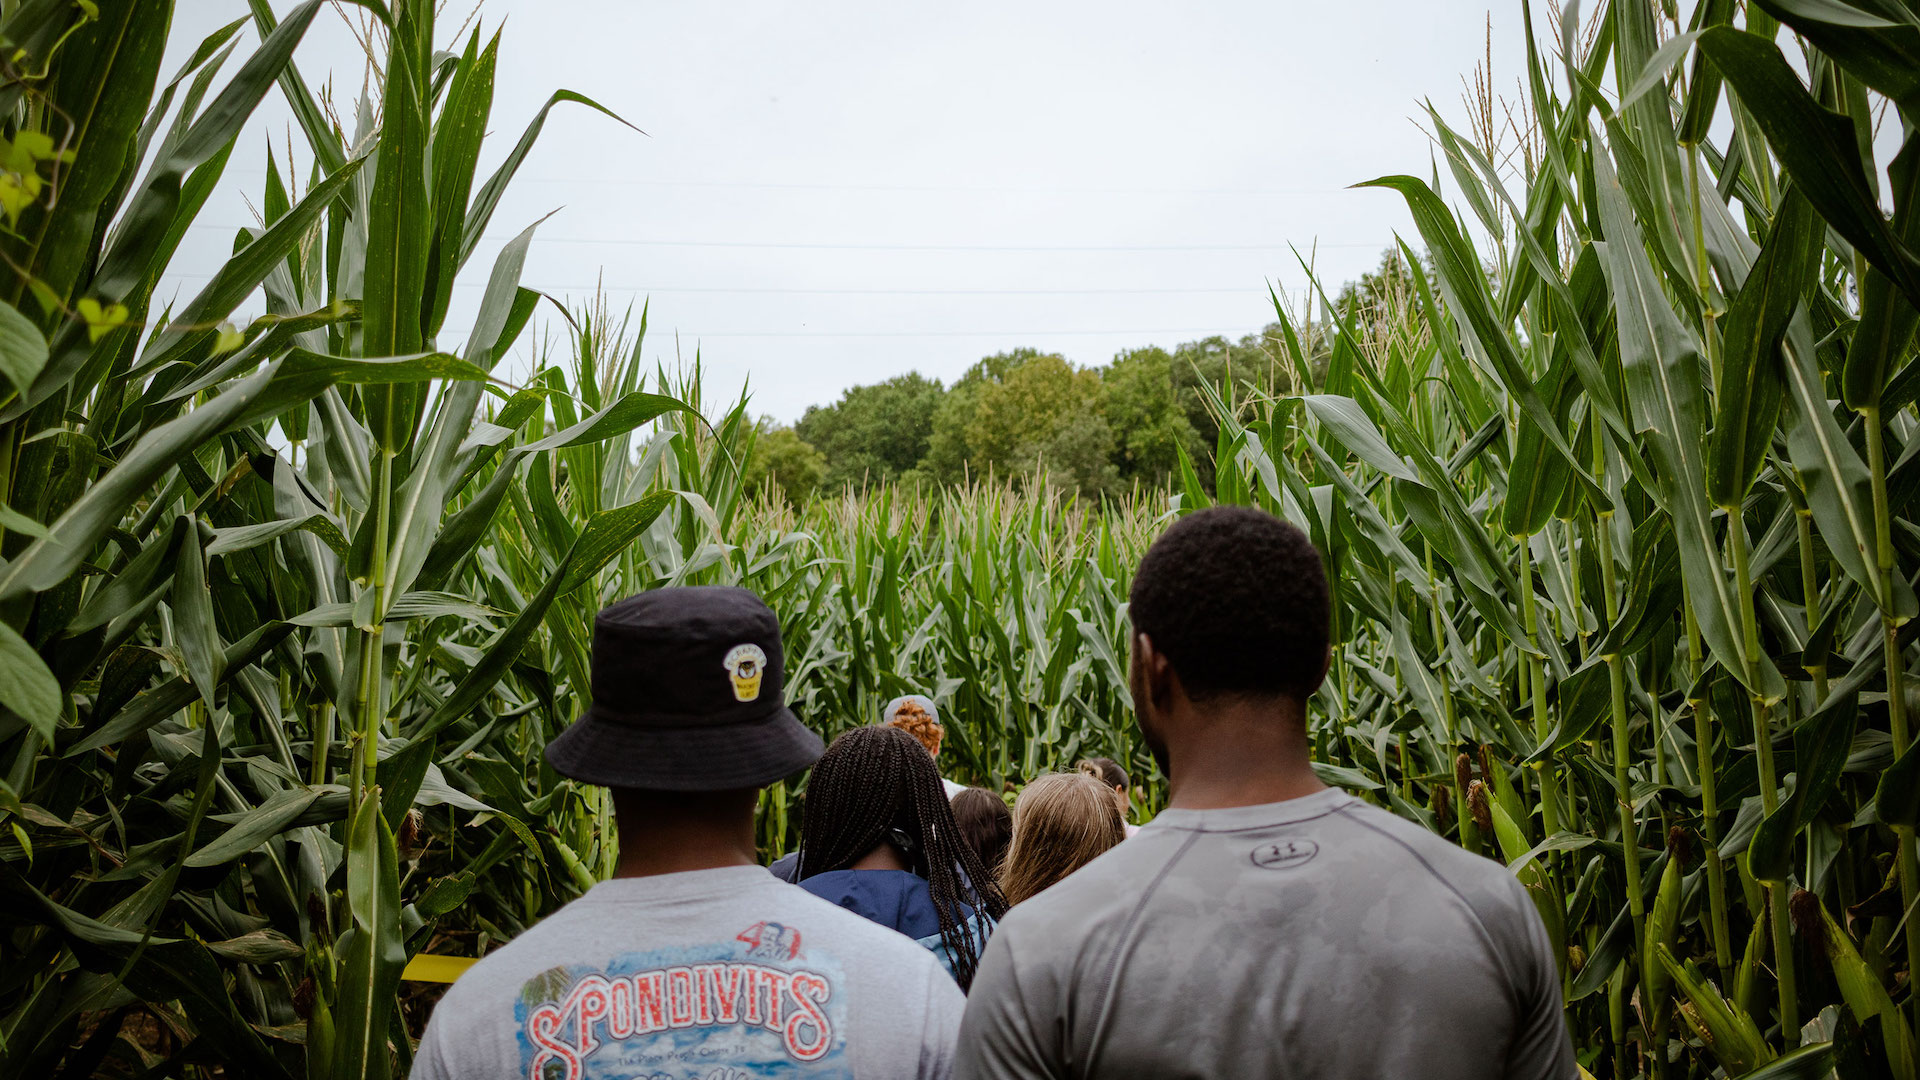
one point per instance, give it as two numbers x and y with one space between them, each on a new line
1061 822
915 721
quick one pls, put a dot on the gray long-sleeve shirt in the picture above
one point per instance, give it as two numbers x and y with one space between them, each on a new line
1319 937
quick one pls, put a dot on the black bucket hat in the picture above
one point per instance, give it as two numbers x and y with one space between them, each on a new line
687 696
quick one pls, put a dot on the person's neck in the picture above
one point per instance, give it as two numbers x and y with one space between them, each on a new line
673 833
1240 753
882 857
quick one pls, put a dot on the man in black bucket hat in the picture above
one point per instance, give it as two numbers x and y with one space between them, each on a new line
687 696
693 962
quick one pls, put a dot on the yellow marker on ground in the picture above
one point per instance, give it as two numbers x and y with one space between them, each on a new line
427 967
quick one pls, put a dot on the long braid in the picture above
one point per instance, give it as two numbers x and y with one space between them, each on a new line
947 857
872 779
852 796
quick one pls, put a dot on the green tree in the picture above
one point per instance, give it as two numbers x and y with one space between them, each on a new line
874 433
1076 451
949 457
788 463
1017 410
946 461
1250 366
1147 416
1025 407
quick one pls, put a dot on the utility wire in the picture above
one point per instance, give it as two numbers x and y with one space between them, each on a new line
1205 330
922 292
829 246
604 287
955 247
984 189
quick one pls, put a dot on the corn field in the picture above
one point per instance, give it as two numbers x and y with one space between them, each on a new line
1618 501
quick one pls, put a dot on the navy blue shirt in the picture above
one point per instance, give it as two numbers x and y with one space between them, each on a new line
786 866
898 899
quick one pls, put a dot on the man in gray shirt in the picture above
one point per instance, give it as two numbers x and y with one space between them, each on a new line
1264 925
693 963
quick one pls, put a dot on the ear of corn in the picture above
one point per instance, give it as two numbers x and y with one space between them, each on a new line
1863 991
1724 1028
1663 932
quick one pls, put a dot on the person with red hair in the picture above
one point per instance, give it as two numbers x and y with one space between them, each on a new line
916 715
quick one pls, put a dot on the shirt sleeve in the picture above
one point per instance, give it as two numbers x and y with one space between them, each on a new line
1542 1049
430 1060
458 1044
941 1032
999 1037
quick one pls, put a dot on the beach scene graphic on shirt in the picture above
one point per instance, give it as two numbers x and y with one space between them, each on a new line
740 1010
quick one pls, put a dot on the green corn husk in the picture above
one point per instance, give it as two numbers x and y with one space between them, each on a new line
1861 989
1729 1033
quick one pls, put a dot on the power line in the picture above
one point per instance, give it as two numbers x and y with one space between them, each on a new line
603 287
1208 330
1029 248
922 292
984 189
451 334
828 246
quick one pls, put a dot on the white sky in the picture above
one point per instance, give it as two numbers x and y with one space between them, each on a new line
834 193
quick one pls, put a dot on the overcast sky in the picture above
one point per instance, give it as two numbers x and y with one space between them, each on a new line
833 193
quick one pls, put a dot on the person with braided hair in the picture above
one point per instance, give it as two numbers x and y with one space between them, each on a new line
877 837
914 714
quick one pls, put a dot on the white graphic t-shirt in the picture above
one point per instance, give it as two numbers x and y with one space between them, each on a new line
726 974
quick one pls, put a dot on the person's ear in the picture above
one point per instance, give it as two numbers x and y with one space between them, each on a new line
1152 675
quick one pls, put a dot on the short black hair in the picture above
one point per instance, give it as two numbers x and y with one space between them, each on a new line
1236 600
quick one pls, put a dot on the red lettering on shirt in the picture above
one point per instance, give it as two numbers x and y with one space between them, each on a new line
542 1025
703 994
588 1003
680 997
750 978
808 1034
620 1010
649 1002
707 995
727 980
775 984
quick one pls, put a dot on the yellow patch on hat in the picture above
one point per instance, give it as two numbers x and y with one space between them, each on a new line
745 665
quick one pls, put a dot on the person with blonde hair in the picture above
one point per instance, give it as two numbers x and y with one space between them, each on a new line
915 714
1061 822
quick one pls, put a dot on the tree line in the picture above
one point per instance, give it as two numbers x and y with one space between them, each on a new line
1095 430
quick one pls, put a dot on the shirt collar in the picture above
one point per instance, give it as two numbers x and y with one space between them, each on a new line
686 885
1231 818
